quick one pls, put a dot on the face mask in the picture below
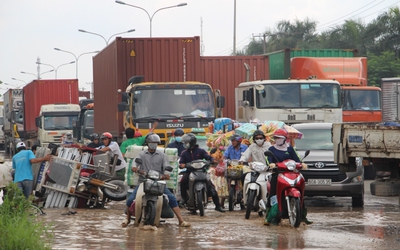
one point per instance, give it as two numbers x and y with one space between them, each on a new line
152 145
279 141
187 145
178 139
260 142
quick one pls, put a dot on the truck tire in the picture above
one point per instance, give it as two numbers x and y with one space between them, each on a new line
385 188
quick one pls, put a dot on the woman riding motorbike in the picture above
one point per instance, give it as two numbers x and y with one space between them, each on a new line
282 151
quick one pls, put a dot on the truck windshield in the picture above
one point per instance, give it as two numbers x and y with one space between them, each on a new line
298 95
19 117
59 122
315 139
362 100
173 102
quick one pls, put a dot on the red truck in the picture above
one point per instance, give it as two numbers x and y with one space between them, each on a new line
50 108
361 103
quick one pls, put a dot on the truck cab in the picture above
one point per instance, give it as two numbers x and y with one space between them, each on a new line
54 121
84 125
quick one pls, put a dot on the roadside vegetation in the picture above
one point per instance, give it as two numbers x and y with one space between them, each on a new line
20 228
378 40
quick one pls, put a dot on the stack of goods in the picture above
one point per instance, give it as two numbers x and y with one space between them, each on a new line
246 130
222 125
220 141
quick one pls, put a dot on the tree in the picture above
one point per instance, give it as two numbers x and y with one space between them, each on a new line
384 65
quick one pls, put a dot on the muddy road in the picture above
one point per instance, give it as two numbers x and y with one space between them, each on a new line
336 226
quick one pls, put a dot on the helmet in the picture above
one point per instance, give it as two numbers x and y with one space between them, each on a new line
280 133
68 135
258 132
106 135
189 138
94 136
152 137
179 132
138 134
237 138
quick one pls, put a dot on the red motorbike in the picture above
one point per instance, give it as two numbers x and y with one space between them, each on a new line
289 190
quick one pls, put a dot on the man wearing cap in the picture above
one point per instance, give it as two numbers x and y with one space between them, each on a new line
22 163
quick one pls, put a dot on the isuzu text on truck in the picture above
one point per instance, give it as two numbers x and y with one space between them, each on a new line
186 105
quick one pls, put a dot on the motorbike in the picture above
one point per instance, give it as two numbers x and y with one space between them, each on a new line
290 188
234 175
255 188
101 184
150 197
198 180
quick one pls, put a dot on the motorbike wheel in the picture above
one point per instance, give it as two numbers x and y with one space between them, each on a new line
249 203
231 197
116 195
294 212
150 213
200 204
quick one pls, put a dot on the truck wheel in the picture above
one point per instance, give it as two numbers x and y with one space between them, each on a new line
385 188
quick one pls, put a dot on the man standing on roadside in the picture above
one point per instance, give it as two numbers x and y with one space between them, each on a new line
22 163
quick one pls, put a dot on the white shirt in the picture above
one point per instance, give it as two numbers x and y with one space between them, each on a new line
5 174
256 153
114 149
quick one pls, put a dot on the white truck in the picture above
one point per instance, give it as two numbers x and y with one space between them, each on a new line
13 127
1 125
289 100
53 122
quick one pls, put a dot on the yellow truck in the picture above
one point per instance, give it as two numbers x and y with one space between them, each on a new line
191 106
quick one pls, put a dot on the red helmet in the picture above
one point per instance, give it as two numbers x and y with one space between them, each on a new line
106 135
280 133
138 134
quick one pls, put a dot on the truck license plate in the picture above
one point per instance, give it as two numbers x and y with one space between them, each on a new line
319 182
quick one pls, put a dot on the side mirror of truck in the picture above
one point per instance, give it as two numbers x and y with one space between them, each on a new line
123 106
125 97
248 98
220 101
38 122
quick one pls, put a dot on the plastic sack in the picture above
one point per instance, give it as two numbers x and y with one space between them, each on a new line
220 169
132 208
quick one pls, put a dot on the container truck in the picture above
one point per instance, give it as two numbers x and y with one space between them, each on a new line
84 125
13 119
50 109
351 73
172 104
290 101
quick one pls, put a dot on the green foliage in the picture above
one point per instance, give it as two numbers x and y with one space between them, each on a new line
384 65
19 227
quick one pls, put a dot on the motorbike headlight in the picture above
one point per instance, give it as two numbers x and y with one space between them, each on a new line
258 166
290 165
81 187
153 175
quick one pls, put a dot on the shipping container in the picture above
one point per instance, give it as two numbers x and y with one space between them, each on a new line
226 72
157 59
39 92
84 94
279 61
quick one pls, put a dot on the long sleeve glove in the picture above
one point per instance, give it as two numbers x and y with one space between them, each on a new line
304 166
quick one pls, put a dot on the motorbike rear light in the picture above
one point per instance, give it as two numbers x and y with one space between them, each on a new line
290 165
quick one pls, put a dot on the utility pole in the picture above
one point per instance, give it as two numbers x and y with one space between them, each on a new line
264 36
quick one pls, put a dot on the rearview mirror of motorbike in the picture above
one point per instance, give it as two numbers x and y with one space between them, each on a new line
169 169
306 153
269 153
138 161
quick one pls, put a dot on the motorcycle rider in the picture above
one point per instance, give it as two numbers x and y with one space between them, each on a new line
178 133
194 152
234 152
95 141
255 152
113 148
154 160
282 151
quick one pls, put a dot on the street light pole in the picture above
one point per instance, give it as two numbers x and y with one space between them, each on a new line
39 63
63 65
15 79
107 41
151 17
37 76
234 28
76 57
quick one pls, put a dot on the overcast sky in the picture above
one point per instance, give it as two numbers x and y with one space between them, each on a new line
32 29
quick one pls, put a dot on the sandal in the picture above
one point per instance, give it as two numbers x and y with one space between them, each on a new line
184 224
125 223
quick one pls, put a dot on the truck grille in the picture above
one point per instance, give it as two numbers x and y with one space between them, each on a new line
335 176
